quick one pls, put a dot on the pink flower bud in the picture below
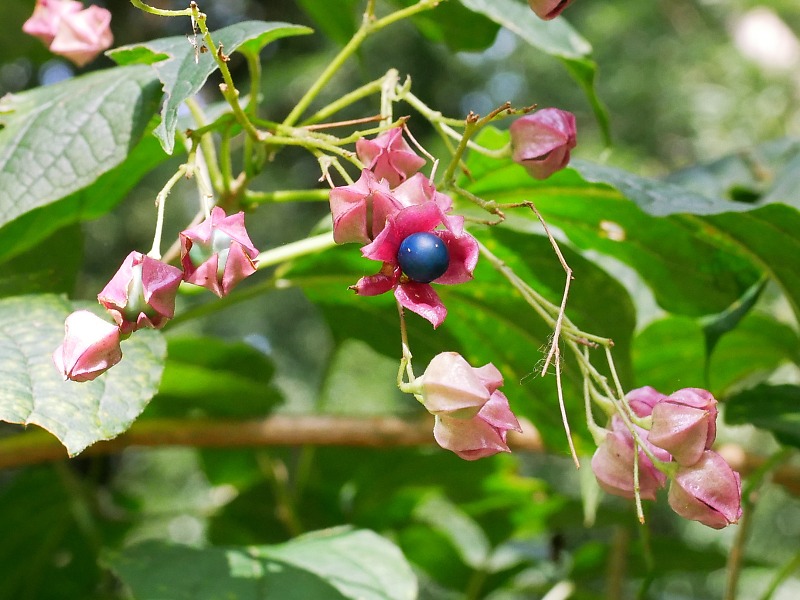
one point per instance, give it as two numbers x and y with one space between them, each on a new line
451 387
542 141
360 210
548 9
217 254
389 156
643 399
684 424
46 18
708 491
141 293
82 36
482 435
91 347
613 463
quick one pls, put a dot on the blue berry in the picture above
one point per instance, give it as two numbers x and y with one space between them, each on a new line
423 257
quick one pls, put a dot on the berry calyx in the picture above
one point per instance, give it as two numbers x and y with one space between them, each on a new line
423 257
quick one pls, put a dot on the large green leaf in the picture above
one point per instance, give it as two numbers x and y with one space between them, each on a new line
28 230
206 376
59 139
772 407
183 72
45 553
453 24
555 37
328 565
32 392
28 273
757 347
689 271
670 354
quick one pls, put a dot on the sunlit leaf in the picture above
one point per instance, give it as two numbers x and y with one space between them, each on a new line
334 564
59 139
183 72
79 414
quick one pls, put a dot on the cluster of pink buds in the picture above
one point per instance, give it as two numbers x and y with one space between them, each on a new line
682 429
68 29
216 254
472 414
404 223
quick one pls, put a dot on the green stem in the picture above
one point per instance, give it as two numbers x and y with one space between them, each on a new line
161 200
373 87
206 144
281 254
187 12
228 89
749 495
367 28
287 196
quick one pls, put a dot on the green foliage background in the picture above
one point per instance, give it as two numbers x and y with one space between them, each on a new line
702 291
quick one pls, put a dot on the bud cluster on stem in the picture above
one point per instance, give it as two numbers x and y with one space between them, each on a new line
673 443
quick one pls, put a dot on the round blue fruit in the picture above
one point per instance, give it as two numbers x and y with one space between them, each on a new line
423 257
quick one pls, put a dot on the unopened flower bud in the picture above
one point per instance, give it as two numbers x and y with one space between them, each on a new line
217 254
541 141
684 424
141 293
708 491
451 387
389 156
482 435
91 347
613 463
548 9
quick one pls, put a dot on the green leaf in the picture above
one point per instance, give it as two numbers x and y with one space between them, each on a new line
689 271
655 197
669 354
327 565
93 201
465 535
757 346
59 139
183 73
771 235
453 24
29 273
339 24
206 376
775 408
45 553
34 393
555 37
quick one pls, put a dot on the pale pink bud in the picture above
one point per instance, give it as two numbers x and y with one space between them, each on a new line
548 9
360 210
482 435
46 18
217 254
451 387
613 463
389 156
541 141
643 399
82 36
91 347
141 293
684 424
708 491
